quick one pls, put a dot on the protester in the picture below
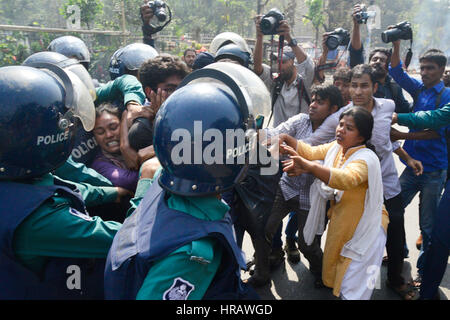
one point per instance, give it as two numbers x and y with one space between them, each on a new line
351 178
111 133
294 192
363 86
159 78
429 94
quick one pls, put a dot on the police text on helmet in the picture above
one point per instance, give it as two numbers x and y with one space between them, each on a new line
54 138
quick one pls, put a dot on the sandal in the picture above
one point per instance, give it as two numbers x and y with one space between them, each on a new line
408 292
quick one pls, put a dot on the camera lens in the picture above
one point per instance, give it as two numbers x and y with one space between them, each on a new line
267 25
391 35
332 42
161 14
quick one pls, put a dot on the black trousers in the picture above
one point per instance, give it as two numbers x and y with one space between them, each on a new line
313 253
395 243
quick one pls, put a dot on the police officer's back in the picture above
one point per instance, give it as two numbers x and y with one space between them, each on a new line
50 247
179 242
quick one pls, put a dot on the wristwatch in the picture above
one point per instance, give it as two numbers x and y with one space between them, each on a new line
293 43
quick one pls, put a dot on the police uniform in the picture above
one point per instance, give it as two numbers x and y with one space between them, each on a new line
174 256
50 247
45 230
179 242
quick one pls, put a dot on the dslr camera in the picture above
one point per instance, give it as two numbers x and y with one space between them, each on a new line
401 31
363 15
339 37
271 21
159 9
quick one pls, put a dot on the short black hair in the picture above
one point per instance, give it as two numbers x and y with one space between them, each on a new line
342 73
330 92
362 69
189 49
435 56
158 69
387 52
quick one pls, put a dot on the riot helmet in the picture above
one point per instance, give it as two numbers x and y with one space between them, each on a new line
37 110
205 132
233 52
65 63
71 47
130 58
225 38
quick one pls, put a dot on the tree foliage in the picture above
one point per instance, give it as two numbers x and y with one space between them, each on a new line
196 17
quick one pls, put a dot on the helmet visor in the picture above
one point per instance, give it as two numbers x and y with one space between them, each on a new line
85 78
251 83
82 105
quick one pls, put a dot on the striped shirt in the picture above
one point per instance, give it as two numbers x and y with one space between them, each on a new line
299 127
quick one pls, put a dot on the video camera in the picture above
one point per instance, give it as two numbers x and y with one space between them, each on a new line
159 9
339 37
401 30
271 21
363 15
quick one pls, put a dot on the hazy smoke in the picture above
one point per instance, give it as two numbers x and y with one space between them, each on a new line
432 27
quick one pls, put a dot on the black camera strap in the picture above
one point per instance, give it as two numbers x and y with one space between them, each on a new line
409 55
280 52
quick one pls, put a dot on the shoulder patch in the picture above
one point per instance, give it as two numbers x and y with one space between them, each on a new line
79 214
179 290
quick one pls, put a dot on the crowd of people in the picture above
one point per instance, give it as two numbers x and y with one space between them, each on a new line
107 191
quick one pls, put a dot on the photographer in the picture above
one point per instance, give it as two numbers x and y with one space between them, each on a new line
150 10
295 77
429 94
379 59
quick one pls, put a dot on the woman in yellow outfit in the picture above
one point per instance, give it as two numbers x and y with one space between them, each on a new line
351 178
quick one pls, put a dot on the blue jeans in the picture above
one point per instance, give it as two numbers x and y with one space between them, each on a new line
429 185
290 231
437 256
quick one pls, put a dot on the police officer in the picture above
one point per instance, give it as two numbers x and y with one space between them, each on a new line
84 146
179 242
233 53
128 59
225 38
50 247
71 47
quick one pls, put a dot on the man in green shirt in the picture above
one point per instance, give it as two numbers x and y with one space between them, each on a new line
424 119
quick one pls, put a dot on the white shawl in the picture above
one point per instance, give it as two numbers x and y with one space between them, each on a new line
370 222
